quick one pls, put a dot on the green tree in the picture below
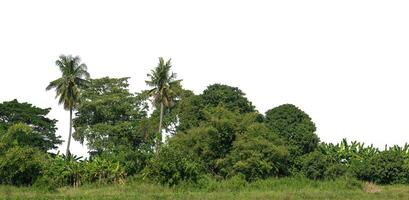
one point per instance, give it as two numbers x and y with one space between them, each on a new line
257 153
165 89
190 108
173 165
213 139
14 112
295 126
113 122
74 78
20 135
231 98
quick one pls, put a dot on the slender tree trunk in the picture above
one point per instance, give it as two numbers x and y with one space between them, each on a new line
159 138
69 134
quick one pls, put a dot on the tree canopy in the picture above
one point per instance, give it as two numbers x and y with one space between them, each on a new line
295 126
110 116
14 112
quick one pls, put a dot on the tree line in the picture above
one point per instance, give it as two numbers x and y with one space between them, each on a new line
217 134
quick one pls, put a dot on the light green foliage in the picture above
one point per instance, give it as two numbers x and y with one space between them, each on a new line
21 155
14 112
70 171
20 135
345 153
21 165
113 122
295 126
283 188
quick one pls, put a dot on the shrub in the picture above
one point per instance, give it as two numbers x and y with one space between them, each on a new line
235 183
295 126
314 165
335 171
256 154
170 166
70 171
103 171
389 167
21 165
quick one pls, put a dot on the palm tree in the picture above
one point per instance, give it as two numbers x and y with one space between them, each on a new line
74 78
165 88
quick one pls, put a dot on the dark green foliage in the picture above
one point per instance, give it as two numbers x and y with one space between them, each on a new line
13 112
173 165
318 166
213 140
191 109
387 167
185 108
335 171
314 165
257 154
295 126
216 137
231 98
21 165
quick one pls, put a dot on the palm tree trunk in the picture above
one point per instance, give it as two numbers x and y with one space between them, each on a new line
69 134
159 138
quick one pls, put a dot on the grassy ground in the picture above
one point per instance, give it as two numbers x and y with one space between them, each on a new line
287 188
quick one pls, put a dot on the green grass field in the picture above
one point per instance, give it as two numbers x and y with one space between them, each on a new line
287 188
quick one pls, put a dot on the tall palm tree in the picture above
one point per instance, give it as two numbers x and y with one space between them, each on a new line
74 78
165 88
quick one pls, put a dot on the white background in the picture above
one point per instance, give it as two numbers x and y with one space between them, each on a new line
345 62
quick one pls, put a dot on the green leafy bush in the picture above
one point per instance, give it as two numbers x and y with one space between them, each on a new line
70 171
256 154
387 167
21 165
20 135
171 166
314 165
335 171
295 126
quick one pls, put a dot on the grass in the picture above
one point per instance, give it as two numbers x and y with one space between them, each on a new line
285 188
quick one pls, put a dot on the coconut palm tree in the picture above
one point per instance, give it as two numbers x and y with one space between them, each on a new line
165 88
74 78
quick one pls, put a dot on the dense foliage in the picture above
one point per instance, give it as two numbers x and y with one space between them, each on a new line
113 122
217 135
13 112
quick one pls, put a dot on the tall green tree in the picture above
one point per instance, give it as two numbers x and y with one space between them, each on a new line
68 86
114 123
165 88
